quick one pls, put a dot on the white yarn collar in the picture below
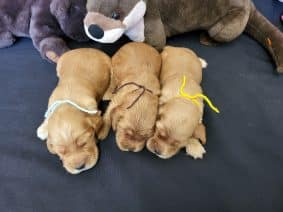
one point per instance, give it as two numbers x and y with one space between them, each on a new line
58 103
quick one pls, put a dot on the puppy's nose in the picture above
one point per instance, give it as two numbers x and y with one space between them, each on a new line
81 167
96 31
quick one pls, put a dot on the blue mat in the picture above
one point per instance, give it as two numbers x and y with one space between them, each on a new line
242 171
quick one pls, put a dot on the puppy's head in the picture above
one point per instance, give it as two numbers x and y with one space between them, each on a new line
162 144
107 20
70 15
174 127
71 136
136 125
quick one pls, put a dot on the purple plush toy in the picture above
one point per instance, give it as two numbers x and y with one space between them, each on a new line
46 22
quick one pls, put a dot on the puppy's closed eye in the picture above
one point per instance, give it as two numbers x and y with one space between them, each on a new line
83 139
129 132
162 136
81 143
61 150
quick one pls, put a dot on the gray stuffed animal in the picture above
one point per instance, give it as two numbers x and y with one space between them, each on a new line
46 22
155 20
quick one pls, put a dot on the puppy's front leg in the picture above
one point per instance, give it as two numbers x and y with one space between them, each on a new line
42 130
104 131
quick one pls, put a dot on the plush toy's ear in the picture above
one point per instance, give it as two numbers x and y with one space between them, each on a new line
59 8
135 22
136 14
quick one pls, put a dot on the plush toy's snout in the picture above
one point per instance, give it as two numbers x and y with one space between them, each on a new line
105 29
96 31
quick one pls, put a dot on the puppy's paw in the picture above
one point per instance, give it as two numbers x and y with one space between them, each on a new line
103 132
203 62
195 149
42 133
52 56
42 130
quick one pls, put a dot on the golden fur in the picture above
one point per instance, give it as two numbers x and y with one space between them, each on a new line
133 63
84 76
179 123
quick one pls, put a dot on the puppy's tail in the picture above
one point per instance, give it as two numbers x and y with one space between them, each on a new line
203 62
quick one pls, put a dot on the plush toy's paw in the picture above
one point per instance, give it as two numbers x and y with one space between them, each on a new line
206 40
52 56
280 69
195 149
6 39
52 48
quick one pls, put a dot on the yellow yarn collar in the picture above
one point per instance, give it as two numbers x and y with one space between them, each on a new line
194 97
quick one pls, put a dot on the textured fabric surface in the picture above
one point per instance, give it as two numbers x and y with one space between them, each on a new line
242 170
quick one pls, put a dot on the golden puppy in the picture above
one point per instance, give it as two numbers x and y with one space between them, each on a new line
133 108
179 123
72 120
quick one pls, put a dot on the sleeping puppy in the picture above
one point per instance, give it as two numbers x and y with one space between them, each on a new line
72 120
179 123
133 107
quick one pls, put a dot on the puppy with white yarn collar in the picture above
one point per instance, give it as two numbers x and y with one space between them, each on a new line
72 120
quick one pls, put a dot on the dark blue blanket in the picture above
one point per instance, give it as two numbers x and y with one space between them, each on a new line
242 171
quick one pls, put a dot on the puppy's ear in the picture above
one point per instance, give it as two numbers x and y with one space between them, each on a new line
50 147
164 53
59 67
162 132
42 130
200 133
96 122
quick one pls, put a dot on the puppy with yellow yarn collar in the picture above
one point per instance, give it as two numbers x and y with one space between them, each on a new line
179 124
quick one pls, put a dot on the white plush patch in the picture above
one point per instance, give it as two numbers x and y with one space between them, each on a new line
136 14
110 36
134 22
136 33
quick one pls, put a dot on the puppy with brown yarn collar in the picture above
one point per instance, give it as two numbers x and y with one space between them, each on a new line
179 123
133 108
73 120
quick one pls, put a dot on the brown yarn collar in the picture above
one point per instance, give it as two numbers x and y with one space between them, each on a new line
143 88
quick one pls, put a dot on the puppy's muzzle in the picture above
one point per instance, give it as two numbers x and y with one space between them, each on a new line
157 152
80 167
